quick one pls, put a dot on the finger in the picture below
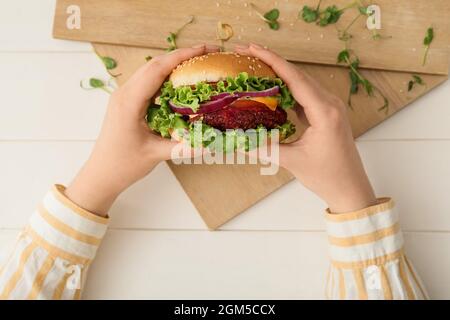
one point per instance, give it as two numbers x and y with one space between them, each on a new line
147 80
306 91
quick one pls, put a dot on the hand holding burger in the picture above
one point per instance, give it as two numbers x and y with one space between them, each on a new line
325 159
126 150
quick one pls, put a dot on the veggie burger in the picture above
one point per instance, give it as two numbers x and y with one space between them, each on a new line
222 93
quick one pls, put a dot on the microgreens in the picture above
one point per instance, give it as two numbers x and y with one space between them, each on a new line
109 64
427 42
95 83
172 38
356 79
415 80
224 32
330 15
309 14
270 17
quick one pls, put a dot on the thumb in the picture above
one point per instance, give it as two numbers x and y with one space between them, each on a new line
306 91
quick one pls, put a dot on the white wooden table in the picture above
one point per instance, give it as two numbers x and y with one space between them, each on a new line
157 246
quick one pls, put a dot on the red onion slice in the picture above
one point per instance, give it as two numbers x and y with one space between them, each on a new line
265 93
222 100
220 96
207 107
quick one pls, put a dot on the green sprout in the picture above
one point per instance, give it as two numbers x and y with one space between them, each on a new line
270 17
172 38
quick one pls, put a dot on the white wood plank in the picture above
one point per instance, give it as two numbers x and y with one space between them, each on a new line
233 265
426 118
42 98
27 26
415 174
29 169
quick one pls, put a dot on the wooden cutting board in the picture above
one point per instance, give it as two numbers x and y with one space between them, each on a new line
221 192
147 23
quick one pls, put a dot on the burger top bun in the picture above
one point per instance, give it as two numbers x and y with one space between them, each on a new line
213 67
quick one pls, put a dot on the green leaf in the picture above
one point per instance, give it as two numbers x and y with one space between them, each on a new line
330 15
148 58
286 130
272 15
363 10
109 63
96 83
274 25
309 14
417 79
343 56
354 80
429 37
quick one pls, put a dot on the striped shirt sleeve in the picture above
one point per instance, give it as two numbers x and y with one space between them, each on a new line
367 256
53 252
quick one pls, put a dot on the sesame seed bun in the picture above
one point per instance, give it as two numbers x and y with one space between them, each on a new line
213 67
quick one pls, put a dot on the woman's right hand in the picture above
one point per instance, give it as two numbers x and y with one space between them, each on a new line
325 159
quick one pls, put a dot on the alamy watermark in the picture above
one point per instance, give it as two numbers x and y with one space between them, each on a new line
253 146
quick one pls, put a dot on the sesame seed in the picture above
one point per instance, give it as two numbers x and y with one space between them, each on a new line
414 49
248 58
259 66
321 36
237 17
239 37
309 38
239 61
265 47
246 4
331 76
291 24
401 90
217 4
259 29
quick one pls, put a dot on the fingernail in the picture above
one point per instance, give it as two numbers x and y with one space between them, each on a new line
198 46
241 46
256 46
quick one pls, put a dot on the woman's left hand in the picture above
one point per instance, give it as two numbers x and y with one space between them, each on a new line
126 150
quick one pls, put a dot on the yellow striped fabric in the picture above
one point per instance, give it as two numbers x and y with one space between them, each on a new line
367 255
54 251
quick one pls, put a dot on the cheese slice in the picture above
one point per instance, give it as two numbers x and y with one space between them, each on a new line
270 102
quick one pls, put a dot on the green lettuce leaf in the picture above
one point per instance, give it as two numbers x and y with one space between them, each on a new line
231 140
163 120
